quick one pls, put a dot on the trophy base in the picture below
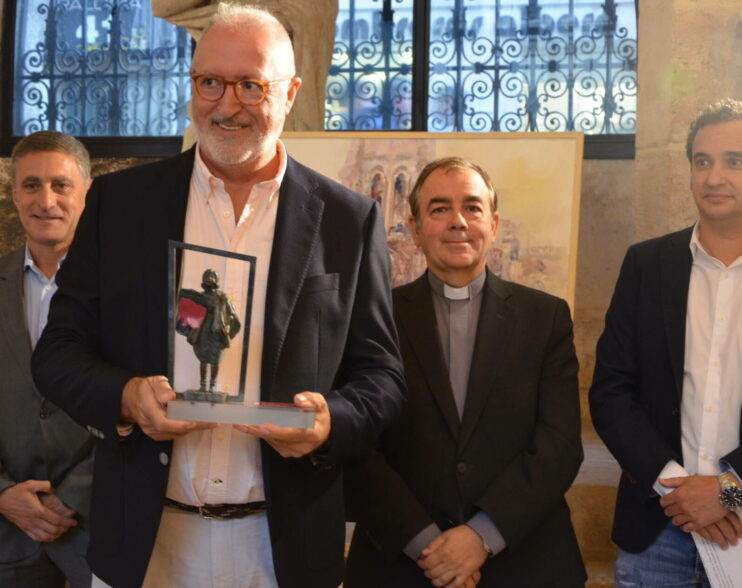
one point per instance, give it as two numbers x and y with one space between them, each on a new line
203 396
282 415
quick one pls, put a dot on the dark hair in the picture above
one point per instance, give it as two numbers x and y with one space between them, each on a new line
447 164
721 111
52 141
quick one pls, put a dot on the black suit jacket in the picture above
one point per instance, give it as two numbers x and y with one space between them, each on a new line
328 328
38 441
638 381
513 455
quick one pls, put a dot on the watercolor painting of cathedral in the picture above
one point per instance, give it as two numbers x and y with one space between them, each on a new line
536 240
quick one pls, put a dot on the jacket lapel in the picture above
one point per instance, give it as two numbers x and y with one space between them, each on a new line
416 319
675 266
177 199
168 211
13 326
497 321
298 222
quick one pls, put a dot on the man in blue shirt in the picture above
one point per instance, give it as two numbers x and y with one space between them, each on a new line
45 458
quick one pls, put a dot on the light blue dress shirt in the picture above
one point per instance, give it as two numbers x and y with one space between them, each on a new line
37 294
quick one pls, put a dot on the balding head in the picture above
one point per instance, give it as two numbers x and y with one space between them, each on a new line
253 22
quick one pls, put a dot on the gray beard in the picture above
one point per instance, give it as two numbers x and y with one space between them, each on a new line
222 154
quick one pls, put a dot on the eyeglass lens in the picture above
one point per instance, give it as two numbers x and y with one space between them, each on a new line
212 88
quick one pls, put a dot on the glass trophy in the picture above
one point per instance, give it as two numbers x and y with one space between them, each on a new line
210 307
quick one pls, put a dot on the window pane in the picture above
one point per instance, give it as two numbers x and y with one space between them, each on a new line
532 65
99 68
369 86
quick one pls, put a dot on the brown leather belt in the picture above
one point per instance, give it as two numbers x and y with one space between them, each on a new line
221 512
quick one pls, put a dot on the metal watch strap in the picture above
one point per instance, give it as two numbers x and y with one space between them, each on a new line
726 479
730 495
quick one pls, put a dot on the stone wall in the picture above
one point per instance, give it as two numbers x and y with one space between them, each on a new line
690 54
606 230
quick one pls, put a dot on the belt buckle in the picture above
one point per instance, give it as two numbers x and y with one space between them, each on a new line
206 513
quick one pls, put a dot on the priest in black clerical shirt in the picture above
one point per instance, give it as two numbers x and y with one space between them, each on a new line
469 484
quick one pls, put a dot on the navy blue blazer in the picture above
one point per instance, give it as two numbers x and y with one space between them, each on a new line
638 381
328 328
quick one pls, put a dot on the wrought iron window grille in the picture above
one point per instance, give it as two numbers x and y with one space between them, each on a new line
103 70
487 65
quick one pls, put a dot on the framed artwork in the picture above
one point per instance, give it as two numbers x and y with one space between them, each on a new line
537 177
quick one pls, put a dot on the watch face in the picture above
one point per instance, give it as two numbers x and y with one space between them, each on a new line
731 497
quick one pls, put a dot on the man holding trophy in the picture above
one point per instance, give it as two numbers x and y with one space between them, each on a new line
190 503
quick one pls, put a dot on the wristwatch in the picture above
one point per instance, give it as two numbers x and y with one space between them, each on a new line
731 494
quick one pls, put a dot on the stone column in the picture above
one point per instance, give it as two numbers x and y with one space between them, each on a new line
695 59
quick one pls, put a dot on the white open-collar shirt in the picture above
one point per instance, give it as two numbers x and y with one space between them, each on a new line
223 465
712 366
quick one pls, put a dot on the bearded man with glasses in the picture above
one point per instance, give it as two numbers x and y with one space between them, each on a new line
321 336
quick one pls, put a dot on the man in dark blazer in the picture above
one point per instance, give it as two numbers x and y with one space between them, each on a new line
468 486
328 339
45 457
667 393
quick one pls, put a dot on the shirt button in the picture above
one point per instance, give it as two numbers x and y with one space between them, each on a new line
227 214
47 287
216 481
721 319
709 409
164 459
715 363
461 467
44 414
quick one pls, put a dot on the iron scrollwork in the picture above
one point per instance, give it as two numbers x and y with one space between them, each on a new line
369 85
493 65
532 66
99 68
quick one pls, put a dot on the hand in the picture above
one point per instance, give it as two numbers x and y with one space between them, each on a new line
454 557
694 502
144 401
723 532
52 502
472 581
32 507
291 442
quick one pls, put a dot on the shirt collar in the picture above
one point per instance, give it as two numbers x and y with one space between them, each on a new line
695 243
467 292
205 182
700 255
30 265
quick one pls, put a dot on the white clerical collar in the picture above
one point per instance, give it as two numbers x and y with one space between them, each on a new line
456 293
452 293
